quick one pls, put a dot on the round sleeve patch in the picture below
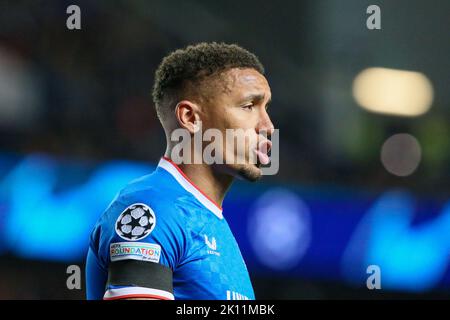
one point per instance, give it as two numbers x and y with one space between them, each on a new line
136 222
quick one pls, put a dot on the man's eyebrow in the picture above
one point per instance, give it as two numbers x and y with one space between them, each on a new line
254 96
257 97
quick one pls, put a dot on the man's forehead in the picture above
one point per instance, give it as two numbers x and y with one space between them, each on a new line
247 80
247 76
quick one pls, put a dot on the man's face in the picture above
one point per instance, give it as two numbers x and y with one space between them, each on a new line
240 102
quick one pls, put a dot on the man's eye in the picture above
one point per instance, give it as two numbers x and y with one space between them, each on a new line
248 106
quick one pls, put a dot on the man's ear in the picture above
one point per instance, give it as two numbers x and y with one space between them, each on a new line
187 115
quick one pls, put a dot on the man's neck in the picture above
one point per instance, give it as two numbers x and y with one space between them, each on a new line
211 182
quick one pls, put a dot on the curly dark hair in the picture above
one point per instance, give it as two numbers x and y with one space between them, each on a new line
184 69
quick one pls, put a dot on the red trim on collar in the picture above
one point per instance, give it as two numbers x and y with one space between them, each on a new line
190 181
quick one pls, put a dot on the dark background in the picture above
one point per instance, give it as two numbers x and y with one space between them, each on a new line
84 97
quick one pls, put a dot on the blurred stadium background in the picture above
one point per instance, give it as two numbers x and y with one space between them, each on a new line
364 164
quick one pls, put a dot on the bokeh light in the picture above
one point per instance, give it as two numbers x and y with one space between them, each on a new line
401 154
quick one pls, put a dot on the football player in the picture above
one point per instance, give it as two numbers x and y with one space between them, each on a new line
165 236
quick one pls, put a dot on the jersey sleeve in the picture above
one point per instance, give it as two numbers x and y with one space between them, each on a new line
141 243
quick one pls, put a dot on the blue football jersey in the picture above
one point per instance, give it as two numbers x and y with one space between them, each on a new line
162 238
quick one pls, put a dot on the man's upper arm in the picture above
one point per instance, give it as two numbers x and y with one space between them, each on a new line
138 279
143 249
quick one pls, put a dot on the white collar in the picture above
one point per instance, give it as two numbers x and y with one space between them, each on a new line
189 186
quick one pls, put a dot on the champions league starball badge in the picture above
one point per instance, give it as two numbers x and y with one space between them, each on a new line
136 222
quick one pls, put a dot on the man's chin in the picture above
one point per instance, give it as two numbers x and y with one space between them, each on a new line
249 172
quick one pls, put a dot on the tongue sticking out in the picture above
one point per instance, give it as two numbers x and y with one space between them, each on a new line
261 152
262 157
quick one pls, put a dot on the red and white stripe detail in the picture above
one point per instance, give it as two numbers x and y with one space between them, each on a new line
137 292
189 186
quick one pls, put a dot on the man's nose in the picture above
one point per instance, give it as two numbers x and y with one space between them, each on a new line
265 124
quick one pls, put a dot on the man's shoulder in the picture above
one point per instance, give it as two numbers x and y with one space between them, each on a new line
153 189
142 212
152 192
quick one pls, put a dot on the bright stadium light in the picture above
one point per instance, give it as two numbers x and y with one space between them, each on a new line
393 92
